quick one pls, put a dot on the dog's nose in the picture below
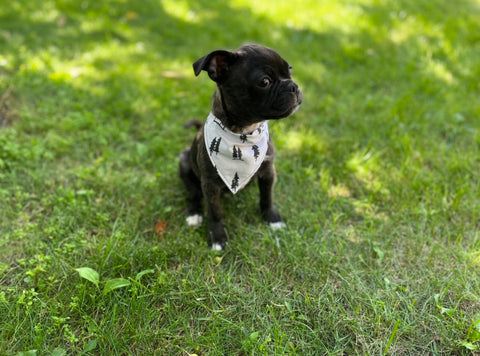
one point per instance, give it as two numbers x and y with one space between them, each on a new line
293 87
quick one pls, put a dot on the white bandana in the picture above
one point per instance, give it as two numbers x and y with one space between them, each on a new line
237 157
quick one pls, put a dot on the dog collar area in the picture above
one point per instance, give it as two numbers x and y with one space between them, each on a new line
236 157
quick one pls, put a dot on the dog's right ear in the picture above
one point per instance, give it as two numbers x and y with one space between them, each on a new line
217 64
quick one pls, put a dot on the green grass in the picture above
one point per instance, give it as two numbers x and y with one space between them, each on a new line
378 181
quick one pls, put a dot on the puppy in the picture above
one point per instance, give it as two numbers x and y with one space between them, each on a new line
254 85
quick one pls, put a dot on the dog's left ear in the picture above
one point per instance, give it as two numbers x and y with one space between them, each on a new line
216 63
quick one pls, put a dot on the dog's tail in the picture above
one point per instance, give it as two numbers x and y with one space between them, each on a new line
194 122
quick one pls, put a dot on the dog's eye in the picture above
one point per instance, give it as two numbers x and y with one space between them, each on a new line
265 82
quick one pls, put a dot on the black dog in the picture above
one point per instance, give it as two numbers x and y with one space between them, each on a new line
254 85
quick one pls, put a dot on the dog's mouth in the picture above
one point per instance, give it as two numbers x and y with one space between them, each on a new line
292 108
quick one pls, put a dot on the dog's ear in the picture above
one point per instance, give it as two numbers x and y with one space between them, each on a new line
216 63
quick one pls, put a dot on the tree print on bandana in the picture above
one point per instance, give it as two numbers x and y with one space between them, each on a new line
219 123
237 153
235 182
256 151
215 145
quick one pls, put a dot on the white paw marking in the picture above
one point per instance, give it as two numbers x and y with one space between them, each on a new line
216 247
278 225
194 220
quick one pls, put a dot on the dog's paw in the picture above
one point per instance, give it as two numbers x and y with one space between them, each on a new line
278 225
194 220
216 247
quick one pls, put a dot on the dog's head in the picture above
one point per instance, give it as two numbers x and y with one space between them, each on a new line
253 84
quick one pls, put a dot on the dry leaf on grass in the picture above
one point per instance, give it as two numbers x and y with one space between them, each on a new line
160 228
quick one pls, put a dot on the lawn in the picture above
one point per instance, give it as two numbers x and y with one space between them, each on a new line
378 179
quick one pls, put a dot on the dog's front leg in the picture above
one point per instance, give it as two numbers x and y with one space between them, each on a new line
266 180
194 190
216 234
